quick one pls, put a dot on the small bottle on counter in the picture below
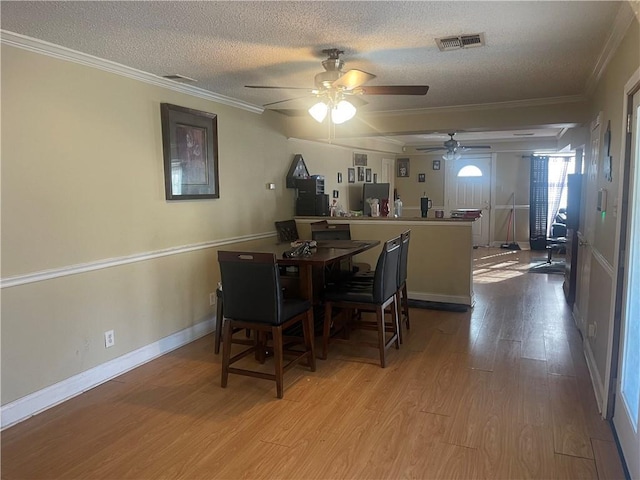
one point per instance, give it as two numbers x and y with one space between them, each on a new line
397 205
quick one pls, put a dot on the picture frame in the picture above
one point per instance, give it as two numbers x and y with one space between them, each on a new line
402 167
359 159
339 177
436 165
190 151
368 175
361 174
351 175
336 194
421 177
375 178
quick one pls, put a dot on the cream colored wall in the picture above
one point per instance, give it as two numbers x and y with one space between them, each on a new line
411 190
82 181
608 99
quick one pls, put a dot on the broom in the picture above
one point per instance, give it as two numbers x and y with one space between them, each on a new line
512 223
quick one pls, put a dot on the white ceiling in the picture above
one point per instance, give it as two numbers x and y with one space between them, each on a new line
534 50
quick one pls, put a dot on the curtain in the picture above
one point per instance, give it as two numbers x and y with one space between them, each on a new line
557 178
538 202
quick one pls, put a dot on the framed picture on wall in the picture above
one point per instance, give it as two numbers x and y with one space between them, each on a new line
339 177
361 174
421 177
375 178
351 175
436 164
190 150
368 175
403 167
359 159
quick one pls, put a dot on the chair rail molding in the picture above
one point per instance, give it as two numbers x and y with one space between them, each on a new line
42 275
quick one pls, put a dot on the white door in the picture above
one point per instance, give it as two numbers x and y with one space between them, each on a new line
586 228
627 404
469 187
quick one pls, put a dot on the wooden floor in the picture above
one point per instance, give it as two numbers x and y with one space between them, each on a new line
501 391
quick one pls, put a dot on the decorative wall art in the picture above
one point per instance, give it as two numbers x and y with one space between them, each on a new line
351 175
368 175
361 174
421 177
339 177
375 178
436 164
359 159
190 149
403 167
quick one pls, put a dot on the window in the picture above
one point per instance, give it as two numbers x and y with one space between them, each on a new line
470 171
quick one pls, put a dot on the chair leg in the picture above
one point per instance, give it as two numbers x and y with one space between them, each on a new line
381 336
226 352
399 331
307 328
405 305
396 321
218 326
278 358
326 330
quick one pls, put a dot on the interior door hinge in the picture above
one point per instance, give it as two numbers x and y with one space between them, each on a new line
629 121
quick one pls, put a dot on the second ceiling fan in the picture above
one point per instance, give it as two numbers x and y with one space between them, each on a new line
451 147
336 90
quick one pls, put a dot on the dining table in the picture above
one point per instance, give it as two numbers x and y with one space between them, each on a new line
325 254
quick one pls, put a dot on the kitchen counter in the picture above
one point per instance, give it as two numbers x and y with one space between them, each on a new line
440 252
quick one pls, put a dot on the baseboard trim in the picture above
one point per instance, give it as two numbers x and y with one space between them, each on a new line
598 386
431 297
34 403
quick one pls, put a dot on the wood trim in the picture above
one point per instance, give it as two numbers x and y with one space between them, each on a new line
43 275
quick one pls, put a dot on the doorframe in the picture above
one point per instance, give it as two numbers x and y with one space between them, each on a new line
613 349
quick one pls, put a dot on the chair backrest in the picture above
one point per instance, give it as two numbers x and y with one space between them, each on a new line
287 231
330 231
251 286
404 257
385 278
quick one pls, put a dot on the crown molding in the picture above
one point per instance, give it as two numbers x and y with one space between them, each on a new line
621 24
62 53
533 102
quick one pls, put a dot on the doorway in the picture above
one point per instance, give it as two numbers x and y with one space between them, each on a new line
468 185
627 400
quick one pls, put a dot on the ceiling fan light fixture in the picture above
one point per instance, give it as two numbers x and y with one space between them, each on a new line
449 156
319 111
342 112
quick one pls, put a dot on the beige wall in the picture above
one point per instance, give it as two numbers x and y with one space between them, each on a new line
607 99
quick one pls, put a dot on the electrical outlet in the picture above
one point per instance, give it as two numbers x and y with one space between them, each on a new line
212 298
592 330
109 339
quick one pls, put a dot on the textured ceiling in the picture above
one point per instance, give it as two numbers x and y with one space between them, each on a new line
533 50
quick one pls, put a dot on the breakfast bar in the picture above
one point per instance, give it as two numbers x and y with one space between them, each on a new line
440 257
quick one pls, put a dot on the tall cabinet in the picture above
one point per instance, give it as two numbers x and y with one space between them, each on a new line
574 187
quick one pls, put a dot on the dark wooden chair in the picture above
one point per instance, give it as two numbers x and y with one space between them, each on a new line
403 299
377 296
287 231
253 299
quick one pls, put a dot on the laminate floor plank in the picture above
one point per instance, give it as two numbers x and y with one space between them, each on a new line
473 394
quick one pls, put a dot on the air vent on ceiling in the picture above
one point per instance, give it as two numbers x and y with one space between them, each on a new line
461 41
179 78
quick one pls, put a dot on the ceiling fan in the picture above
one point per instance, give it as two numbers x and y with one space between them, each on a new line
452 148
334 86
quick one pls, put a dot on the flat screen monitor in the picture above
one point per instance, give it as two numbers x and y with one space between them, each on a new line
373 190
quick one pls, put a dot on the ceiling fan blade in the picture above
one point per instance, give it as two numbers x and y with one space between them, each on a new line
278 88
356 101
283 101
467 147
289 112
430 149
395 90
352 79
